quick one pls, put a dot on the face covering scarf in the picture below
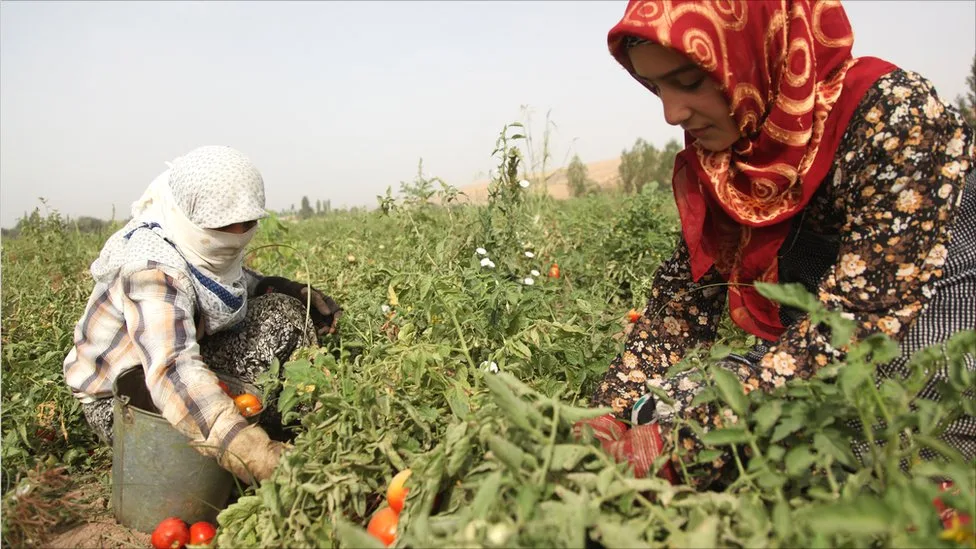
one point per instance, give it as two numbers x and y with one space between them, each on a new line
174 222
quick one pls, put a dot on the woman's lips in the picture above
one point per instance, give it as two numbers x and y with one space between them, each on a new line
699 133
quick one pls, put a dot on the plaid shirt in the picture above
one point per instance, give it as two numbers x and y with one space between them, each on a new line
145 317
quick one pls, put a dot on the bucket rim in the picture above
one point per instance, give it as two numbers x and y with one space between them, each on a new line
124 399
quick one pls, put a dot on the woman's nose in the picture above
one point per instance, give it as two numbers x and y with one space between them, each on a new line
676 110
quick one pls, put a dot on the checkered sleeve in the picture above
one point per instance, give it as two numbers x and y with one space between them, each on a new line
158 309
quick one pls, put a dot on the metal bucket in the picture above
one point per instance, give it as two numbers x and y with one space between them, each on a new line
156 473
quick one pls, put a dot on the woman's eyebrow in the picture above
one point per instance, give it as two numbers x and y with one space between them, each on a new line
673 72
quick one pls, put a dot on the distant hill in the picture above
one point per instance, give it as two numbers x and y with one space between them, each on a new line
603 173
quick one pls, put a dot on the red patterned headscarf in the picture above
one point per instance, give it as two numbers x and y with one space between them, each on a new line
786 69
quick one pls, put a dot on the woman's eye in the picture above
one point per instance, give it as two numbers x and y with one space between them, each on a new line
694 84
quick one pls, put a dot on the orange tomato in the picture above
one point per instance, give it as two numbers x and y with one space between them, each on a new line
247 404
554 271
633 315
383 525
396 493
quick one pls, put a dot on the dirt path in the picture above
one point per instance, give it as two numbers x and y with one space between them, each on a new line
101 533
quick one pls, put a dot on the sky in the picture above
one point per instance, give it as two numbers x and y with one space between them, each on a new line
339 100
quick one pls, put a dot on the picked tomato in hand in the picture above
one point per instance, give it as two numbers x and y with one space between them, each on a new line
396 493
247 404
171 533
202 534
225 388
383 525
633 315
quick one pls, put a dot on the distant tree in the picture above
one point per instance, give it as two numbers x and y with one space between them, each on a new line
967 102
638 166
86 224
577 177
306 211
665 163
644 164
318 207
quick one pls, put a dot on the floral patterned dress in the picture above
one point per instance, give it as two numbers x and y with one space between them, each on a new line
874 242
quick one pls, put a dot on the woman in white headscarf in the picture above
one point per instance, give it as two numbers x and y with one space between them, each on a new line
172 296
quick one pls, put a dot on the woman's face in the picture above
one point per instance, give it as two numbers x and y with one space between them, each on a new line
237 228
691 98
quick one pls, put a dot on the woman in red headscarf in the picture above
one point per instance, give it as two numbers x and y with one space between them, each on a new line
801 164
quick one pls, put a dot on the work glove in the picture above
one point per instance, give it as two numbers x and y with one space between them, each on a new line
325 311
639 446
251 455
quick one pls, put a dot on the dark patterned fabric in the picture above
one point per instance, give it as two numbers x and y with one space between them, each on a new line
273 328
888 208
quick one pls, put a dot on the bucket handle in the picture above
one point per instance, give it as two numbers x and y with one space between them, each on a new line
126 411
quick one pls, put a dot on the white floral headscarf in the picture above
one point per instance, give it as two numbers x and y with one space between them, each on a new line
173 223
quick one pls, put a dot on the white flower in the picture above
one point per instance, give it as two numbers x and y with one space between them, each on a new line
382 247
534 272
481 251
528 281
385 308
490 366
485 262
529 255
524 183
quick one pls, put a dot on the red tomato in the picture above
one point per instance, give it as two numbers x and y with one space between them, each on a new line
554 271
225 388
396 493
633 315
171 533
202 533
383 525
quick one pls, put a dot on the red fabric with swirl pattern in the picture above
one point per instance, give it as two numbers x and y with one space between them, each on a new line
787 72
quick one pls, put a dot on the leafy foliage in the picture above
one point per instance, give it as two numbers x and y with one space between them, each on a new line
495 459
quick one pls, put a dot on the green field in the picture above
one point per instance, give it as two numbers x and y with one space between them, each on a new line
493 457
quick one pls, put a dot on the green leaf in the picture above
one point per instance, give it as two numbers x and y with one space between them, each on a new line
603 480
720 437
487 493
782 523
458 401
566 456
766 415
506 452
864 516
731 390
832 443
705 535
786 427
799 459
614 535
792 295
853 376
573 414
